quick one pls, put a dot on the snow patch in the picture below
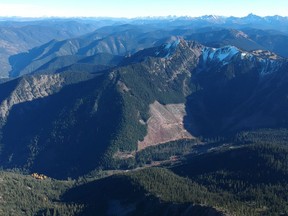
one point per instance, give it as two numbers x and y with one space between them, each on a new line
170 47
246 55
265 61
269 66
223 54
167 49
173 44
243 55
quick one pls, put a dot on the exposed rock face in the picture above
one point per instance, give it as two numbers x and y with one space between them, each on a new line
165 124
31 89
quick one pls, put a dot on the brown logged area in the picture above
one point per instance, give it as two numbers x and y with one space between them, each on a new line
165 124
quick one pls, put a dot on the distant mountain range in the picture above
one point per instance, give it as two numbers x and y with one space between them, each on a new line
124 40
17 36
126 36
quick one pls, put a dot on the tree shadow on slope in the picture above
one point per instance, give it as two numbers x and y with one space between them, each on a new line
119 195
65 134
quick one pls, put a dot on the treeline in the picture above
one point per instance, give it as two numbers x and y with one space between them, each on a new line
157 153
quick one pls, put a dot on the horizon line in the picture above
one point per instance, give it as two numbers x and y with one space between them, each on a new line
131 18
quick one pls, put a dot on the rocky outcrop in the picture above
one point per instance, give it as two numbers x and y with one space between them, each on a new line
30 89
39 176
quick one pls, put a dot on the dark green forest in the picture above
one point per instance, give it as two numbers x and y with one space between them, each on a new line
247 175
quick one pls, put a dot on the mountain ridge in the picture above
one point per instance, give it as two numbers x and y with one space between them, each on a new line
125 40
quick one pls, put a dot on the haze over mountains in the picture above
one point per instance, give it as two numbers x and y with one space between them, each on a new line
86 95
18 37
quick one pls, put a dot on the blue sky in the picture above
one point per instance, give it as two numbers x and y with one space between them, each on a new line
139 8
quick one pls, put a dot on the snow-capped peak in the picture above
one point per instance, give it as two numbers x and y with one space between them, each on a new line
222 54
264 61
168 49
172 44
